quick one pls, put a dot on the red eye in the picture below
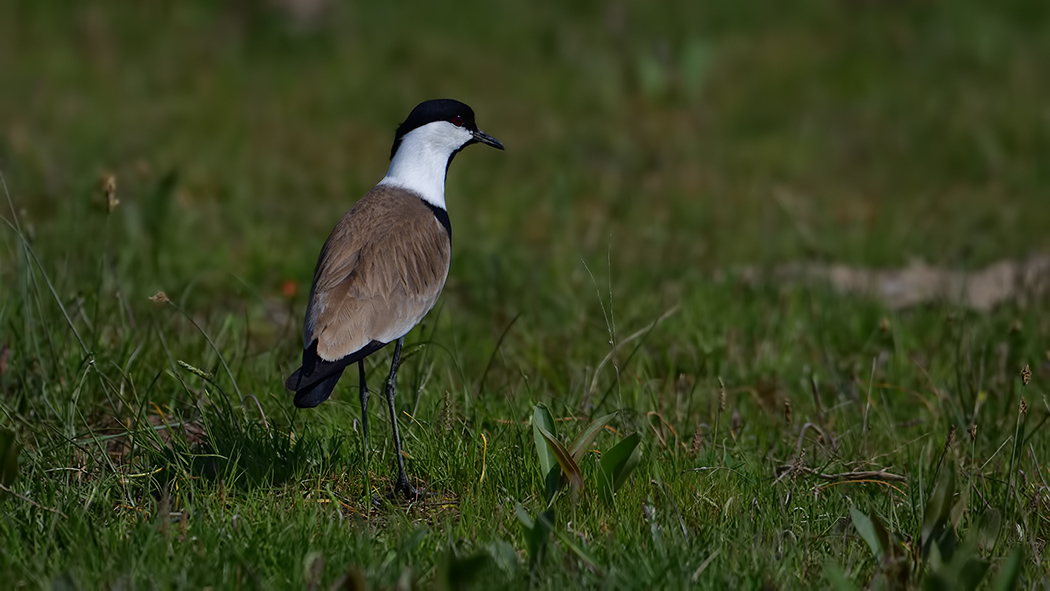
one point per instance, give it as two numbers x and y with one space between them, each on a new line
457 120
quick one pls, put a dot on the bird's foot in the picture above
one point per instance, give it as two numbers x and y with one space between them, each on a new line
405 490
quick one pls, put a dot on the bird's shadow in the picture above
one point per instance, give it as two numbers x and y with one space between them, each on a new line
251 455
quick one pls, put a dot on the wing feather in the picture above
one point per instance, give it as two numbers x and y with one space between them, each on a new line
378 274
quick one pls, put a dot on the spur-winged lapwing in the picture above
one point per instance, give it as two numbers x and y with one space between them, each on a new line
383 266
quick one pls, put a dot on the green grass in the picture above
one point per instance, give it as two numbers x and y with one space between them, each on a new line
651 151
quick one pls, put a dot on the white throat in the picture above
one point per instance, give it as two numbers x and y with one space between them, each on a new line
421 160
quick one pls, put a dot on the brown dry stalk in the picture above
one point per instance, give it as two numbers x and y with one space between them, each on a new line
30 501
844 476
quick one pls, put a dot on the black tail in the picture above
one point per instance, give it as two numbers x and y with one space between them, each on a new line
317 393
314 381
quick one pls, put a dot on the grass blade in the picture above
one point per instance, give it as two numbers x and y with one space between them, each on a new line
9 450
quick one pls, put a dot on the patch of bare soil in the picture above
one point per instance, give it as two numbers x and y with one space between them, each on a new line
919 283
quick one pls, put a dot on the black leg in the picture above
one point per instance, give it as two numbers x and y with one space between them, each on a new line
364 409
403 486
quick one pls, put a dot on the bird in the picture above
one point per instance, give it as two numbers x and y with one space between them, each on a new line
385 263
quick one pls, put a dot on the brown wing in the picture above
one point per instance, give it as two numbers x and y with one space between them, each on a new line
379 273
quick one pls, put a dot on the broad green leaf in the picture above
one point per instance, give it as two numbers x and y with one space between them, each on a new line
313 567
579 445
965 551
552 482
870 528
694 67
955 516
504 556
989 527
64 582
579 551
564 459
939 506
838 579
542 531
526 520
972 573
1010 573
618 463
546 519
459 573
934 560
541 418
936 581
536 532
652 75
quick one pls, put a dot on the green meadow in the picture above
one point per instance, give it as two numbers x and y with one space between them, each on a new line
171 169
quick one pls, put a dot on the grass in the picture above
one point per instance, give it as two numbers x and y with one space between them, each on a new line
651 152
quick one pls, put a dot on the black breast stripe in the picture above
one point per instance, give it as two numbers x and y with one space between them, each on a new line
442 217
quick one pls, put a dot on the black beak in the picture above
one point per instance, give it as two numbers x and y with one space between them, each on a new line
485 138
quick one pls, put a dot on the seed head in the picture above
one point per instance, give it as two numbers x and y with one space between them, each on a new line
109 187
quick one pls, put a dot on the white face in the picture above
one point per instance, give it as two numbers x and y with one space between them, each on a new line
422 159
440 136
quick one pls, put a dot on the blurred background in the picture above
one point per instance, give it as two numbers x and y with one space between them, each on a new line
655 145
660 156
